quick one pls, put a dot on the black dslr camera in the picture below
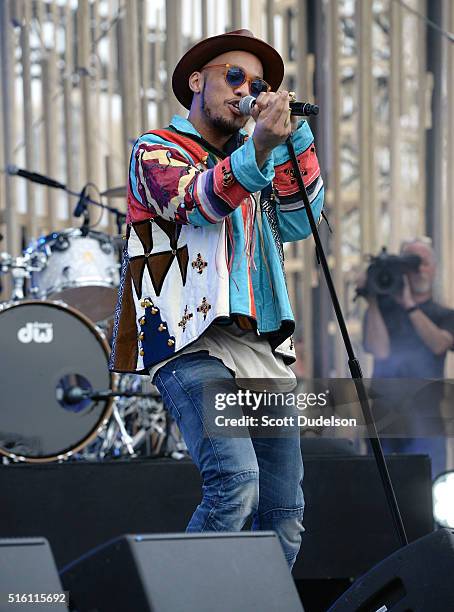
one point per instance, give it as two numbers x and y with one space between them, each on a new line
385 274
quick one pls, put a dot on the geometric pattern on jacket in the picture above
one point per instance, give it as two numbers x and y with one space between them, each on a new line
204 243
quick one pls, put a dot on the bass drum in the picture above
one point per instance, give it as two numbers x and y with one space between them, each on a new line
48 349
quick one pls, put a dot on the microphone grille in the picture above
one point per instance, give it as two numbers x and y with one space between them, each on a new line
246 105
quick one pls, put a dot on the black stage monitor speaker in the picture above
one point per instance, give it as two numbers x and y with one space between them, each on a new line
416 578
192 572
27 567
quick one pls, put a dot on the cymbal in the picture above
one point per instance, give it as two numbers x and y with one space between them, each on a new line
115 192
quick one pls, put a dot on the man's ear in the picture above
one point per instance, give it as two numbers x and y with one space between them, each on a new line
196 82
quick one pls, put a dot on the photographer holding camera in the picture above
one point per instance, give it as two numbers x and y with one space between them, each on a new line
409 334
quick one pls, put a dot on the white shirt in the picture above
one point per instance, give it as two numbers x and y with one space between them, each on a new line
242 351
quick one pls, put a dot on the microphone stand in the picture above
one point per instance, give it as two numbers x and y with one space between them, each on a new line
120 216
353 363
84 199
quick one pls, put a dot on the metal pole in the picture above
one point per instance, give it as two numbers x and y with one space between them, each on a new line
449 73
235 15
144 66
83 64
158 87
132 93
7 75
173 51
30 160
433 164
370 230
270 21
395 78
320 41
49 137
67 107
335 176
422 117
112 227
305 249
204 9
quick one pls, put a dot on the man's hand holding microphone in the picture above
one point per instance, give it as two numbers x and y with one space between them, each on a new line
274 123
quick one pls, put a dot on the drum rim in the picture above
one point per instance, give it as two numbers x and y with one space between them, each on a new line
80 285
68 231
107 412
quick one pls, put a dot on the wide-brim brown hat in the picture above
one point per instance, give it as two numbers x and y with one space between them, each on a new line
204 51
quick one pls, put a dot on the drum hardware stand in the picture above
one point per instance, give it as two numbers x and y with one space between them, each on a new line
354 366
76 394
125 437
20 268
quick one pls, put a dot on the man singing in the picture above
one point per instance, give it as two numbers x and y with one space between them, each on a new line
203 294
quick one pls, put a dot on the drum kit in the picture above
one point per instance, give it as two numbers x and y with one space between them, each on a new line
58 399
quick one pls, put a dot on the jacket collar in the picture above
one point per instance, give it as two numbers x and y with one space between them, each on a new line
184 126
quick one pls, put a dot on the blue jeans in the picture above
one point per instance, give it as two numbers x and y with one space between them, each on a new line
242 477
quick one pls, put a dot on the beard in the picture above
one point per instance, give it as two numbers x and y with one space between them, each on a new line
224 126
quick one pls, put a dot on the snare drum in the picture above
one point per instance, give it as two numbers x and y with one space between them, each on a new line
48 349
82 270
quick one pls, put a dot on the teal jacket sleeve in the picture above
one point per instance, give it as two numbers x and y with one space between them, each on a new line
291 214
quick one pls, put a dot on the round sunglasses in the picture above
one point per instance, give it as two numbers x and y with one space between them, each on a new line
235 76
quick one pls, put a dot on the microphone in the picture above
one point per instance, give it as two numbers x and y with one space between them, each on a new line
34 177
73 398
81 204
75 395
300 109
82 209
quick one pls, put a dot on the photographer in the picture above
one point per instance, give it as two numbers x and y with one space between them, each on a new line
409 335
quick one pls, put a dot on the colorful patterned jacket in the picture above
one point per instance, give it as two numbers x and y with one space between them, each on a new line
205 242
